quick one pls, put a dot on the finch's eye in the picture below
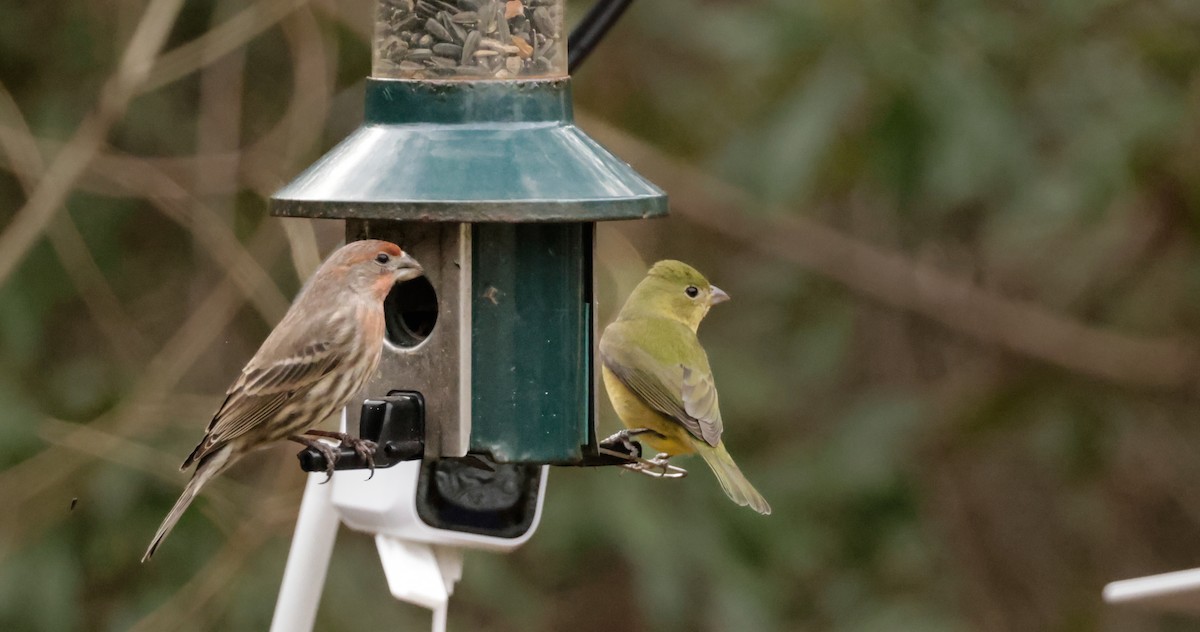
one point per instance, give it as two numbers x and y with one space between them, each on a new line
382 258
692 291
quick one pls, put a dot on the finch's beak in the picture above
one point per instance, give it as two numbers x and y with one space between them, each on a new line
407 268
717 296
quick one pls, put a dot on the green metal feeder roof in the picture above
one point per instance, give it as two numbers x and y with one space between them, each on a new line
494 151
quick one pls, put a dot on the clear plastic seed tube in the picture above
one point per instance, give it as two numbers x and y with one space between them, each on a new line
469 39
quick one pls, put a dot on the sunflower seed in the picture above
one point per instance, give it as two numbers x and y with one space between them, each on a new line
460 32
469 47
498 46
503 32
447 50
487 18
542 20
435 28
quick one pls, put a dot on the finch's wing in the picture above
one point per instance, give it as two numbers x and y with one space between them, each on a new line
262 390
700 403
683 391
283 375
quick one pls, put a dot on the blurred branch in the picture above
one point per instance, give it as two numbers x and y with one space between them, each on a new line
222 245
213 580
1022 327
219 120
306 258
312 76
271 512
107 446
137 177
349 15
27 483
52 190
98 296
263 164
156 179
229 36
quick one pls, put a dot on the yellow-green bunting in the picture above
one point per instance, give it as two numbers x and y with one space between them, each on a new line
658 378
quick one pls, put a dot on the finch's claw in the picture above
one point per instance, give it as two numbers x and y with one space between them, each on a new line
658 467
366 451
331 458
363 448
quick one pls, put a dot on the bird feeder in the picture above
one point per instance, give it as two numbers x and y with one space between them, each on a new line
468 158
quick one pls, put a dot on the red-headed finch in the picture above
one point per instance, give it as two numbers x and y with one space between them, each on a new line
323 352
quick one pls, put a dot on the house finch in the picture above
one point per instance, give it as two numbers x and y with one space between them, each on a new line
657 376
323 352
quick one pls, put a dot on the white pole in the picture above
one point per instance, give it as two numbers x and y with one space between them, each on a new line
439 618
1178 591
308 558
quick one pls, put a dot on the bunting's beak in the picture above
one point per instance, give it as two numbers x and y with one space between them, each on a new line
718 296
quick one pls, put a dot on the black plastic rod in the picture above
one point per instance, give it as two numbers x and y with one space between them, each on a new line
592 29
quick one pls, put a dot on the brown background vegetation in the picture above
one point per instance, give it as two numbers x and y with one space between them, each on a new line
961 360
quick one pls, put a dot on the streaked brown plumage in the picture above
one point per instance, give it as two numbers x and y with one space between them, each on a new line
323 352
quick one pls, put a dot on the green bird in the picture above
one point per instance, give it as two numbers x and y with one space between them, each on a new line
657 374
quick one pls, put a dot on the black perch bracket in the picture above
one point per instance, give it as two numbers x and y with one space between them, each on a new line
395 423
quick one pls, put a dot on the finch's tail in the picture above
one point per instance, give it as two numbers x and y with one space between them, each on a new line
208 467
732 480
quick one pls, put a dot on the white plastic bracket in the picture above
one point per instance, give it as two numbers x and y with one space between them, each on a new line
421 563
421 573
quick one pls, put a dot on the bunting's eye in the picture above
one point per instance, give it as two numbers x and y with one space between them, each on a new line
382 258
692 291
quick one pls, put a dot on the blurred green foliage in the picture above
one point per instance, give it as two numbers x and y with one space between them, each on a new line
922 479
